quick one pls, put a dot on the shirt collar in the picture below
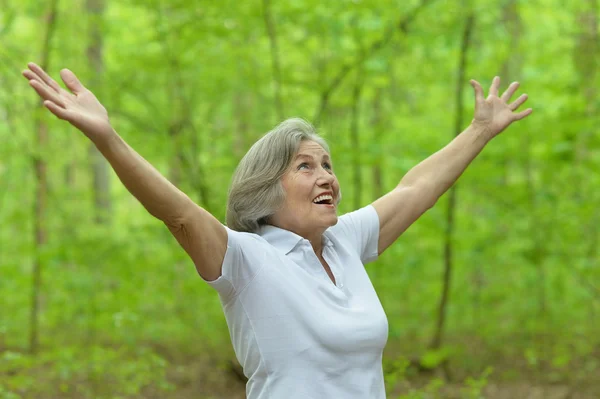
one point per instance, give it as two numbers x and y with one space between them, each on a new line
285 240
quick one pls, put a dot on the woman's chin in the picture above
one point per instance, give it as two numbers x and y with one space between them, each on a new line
332 220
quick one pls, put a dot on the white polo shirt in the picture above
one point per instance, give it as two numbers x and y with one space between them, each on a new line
296 334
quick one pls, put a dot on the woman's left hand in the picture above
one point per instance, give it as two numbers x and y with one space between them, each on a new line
494 114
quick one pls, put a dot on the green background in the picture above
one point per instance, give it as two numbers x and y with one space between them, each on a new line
97 300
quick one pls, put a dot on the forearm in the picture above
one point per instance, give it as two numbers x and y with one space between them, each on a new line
160 198
436 174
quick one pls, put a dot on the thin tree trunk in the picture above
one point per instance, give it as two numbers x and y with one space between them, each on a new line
587 62
590 46
94 10
241 123
537 253
180 120
436 342
510 71
511 68
99 165
175 96
377 138
377 274
41 194
275 63
7 183
355 142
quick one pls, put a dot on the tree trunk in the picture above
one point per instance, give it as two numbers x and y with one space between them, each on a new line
270 26
41 192
509 72
180 121
376 125
241 123
99 165
587 59
100 169
436 342
355 142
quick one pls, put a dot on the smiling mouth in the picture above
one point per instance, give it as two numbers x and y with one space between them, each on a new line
325 199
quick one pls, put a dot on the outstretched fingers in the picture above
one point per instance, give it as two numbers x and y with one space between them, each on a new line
510 91
36 74
518 102
29 75
495 86
46 93
43 76
520 115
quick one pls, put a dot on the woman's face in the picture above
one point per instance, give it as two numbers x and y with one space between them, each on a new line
312 193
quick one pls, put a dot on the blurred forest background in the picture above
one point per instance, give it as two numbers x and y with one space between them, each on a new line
495 292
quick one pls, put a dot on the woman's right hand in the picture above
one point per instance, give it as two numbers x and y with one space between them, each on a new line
81 108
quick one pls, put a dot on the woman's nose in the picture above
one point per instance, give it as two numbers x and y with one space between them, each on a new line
326 178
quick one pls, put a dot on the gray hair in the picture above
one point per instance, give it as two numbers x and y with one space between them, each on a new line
256 190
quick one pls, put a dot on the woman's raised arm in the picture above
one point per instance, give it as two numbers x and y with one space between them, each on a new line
424 184
202 236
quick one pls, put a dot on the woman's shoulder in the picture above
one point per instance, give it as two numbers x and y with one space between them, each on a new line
252 245
356 219
244 237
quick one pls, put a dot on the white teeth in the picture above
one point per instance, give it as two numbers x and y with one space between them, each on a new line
323 198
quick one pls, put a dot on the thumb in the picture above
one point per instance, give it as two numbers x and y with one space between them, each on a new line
71 81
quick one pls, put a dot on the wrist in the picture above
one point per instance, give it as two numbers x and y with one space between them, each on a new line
105 140
482 130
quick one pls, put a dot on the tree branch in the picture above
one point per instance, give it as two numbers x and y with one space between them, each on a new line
274 57
402 24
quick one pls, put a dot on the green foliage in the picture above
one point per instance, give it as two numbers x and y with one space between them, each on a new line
474 386
84 372
430 391
398 378
191 86
434 358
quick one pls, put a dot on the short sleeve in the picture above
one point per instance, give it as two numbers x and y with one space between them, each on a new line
359 230
244 258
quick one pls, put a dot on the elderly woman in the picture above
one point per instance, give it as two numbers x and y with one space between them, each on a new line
304 319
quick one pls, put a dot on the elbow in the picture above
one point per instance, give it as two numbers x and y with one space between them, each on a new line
430 193
178 221
428 203
178 215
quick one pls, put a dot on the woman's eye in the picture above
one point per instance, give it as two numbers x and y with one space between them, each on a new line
303 165
327 166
